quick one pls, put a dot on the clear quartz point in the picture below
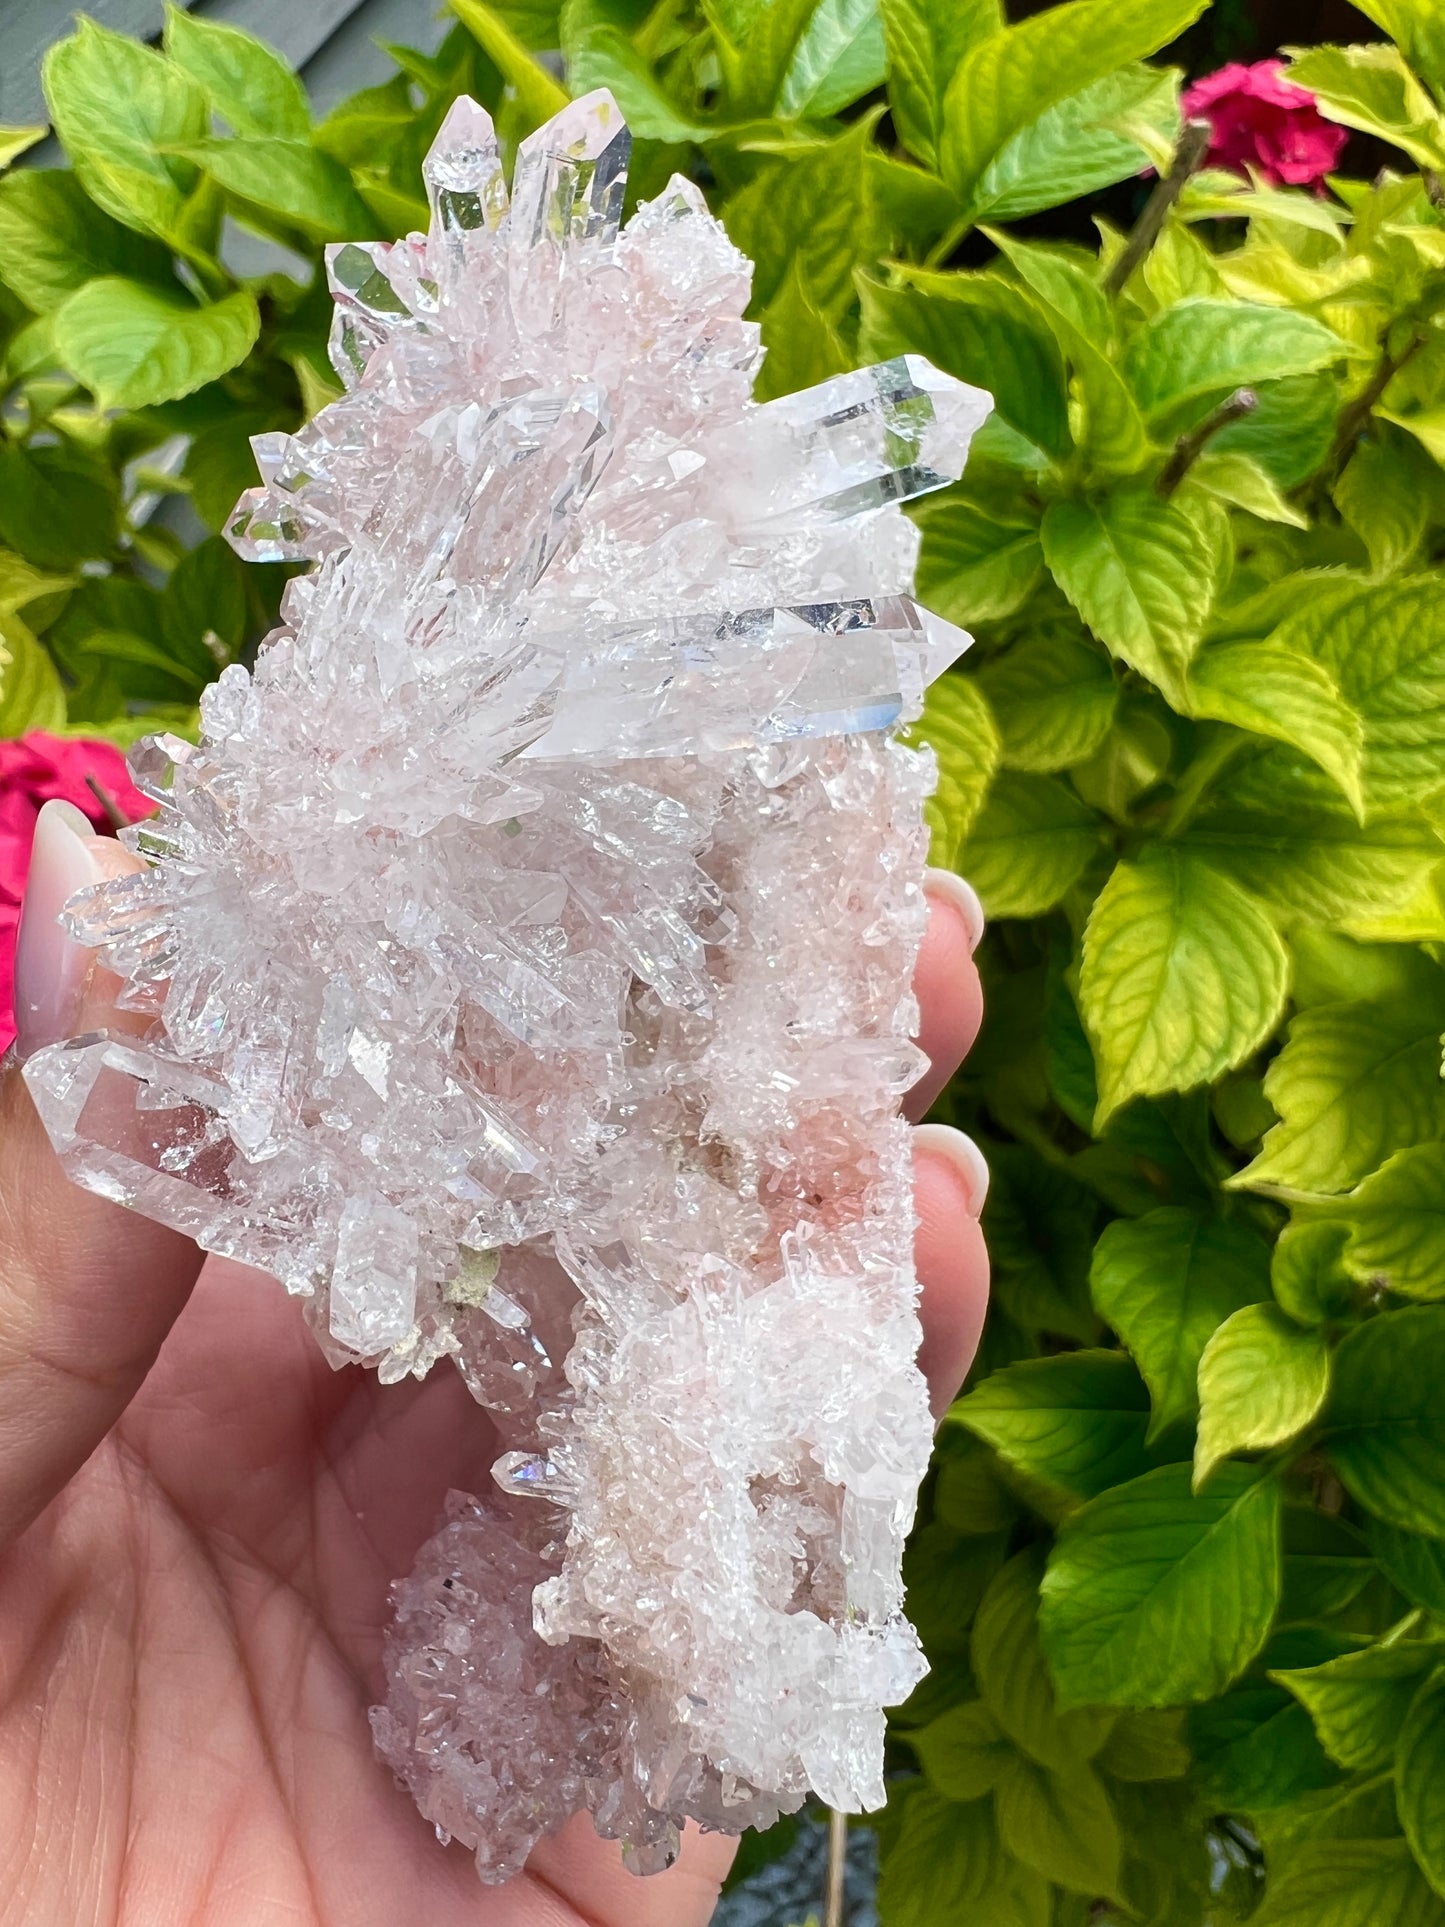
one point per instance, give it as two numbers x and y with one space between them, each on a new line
466 189
523 956
567 193
854 444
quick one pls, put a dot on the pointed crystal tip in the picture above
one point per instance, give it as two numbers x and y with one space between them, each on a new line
583 130
463 171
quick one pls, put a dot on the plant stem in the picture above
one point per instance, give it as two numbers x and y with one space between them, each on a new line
1355 419
1213 756
1190 447
940 251
1193 146
107 802
837 1865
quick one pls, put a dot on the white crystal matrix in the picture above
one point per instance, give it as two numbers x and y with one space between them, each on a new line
527 947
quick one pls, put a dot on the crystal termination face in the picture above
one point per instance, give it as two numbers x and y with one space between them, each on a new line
527 947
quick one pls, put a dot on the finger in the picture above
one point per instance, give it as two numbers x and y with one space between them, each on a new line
87 1291
950 1183
950 999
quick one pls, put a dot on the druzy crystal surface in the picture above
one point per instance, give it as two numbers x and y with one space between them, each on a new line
526 948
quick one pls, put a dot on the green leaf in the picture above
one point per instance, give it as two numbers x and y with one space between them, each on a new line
1306 1272
1039 1224
1081 145
946 1863
538 95
1029 845
291 180
924 41
1327 1564
57 507
1157 1596
1386 1418
132 346
120 109
53 239
1183 976
599 53
1276 691
753 43
972 566
1075 1422
203 610
31 696
1359 1701
1255 1750
1417 29
1076 310
1305 854
1351 1883
1053 697
1420 1775
1383 495
1006 82
1290 432
1261 1381
1166 1282
838 58
1013 1676
1061 1825
22 584
963 1752
979 328
1396 1223
1146 1747
246 82
1354 1083
1384 644
1413 1563
1139 571
957 726
15 141
1199 347
1240 480
803 346
1371 88
219 465
813 209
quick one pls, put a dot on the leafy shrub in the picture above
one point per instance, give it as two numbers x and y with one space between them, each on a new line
1181 1563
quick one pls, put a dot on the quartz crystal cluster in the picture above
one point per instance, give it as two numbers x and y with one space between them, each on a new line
527 947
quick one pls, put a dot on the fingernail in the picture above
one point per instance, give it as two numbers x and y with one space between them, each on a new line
51 969
964 898
963 1154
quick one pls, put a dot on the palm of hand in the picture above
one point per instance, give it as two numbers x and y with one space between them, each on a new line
192 1635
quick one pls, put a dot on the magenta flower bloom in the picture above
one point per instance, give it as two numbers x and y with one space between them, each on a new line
33 769
1261 120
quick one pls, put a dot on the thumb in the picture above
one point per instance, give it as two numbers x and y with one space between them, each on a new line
88 1291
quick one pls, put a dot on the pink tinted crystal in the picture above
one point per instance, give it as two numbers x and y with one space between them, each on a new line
528 944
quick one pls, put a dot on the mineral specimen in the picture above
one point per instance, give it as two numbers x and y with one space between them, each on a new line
527 946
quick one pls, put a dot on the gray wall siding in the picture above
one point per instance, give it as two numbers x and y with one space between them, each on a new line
329 41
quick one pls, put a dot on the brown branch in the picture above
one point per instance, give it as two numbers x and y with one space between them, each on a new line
1190 447
1193 146
107 802
1355 418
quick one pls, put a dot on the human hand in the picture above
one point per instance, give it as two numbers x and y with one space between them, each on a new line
199 1521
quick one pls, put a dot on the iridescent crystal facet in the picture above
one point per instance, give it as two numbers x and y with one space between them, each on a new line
527 948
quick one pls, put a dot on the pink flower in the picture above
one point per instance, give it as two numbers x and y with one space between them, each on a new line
33 770
1261 120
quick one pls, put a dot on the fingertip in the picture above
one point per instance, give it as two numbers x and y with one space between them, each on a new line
950 1183
946 982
